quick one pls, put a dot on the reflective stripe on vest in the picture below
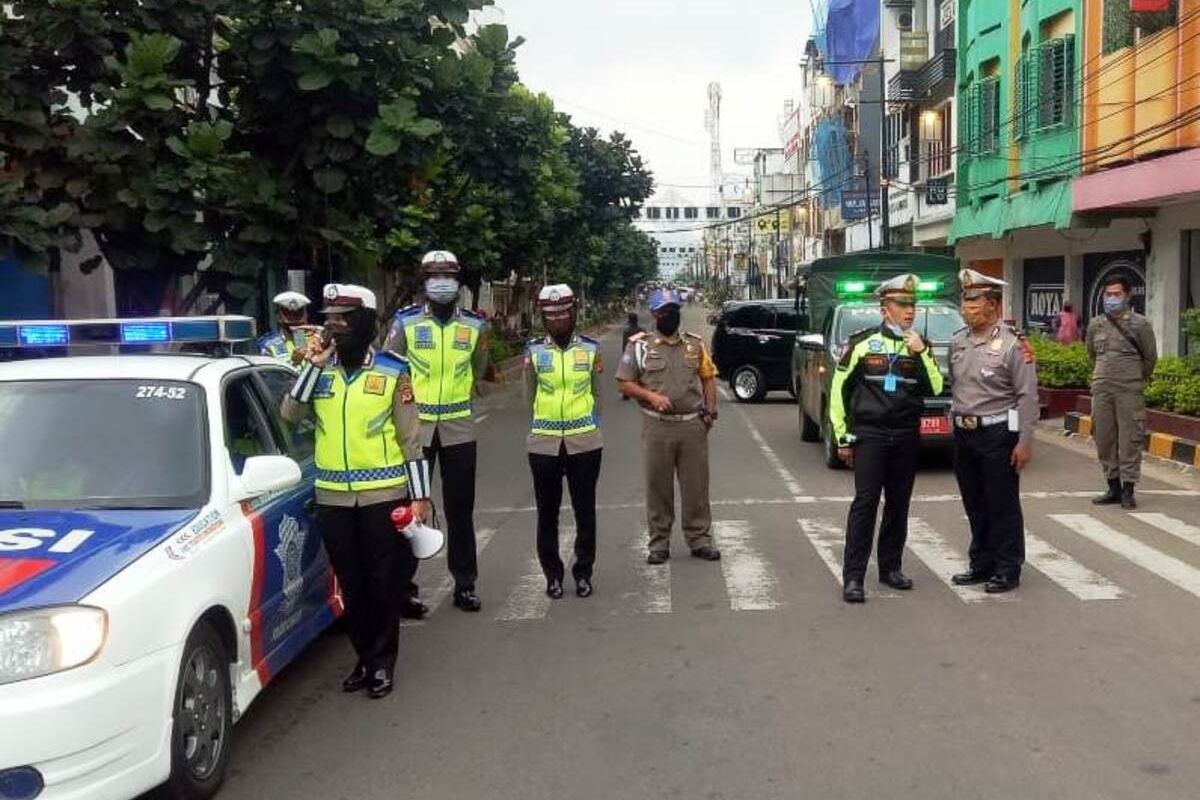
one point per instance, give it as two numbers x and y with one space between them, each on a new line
564 405
442 373
357 449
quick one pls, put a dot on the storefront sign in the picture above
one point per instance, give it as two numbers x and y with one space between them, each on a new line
1100 267
854 204
937 192
1044 290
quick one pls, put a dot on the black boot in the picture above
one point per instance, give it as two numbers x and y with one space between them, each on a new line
1111 497
1127 501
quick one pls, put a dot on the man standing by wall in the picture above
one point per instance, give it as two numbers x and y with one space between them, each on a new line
1121 344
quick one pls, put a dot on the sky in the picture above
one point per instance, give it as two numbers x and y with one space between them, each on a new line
643 67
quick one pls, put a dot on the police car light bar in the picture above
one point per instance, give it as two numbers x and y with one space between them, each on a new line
143 331
930 286
851 287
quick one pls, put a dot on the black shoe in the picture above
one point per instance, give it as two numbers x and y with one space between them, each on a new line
413 609
356 680
1127 500
467 600
707 552
554 589
998 584
1110 497
583 587
896 579
657 557
381 684
854 592
970 578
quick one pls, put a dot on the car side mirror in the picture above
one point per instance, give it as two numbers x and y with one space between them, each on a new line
812 341
265 474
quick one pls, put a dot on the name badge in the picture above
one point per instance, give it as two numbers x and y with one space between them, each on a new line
889 383
581 361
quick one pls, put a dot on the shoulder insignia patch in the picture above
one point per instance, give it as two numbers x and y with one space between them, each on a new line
1027 350
466 312
875 346
693 336
404 387
588 339
637 337
376 384
388 359
408 311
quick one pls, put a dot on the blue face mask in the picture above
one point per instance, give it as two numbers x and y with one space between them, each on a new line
1112 305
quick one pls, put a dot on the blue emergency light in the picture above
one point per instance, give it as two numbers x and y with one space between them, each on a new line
147 331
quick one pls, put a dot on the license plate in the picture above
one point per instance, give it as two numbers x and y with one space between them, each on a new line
935 425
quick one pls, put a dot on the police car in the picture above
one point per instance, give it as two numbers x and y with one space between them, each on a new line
159 560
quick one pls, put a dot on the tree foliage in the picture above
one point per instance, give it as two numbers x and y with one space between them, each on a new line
240 136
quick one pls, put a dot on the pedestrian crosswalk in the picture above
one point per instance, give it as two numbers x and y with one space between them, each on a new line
1084 557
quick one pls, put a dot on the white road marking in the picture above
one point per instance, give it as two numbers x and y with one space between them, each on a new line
445 583
785 475
829 540
1067 572
527 600
1176 527
845 498
653 595
749 580
1167 567
929 546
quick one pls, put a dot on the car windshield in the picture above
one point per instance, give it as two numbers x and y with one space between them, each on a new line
936 322
102 444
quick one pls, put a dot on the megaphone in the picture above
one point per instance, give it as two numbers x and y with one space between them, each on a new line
426 542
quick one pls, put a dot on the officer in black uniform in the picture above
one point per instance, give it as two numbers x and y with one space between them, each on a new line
880 381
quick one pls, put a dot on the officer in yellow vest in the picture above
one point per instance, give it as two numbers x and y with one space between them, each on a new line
292 318
369 460
562 370
446 347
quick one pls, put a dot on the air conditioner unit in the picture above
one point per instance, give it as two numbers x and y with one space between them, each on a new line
904 20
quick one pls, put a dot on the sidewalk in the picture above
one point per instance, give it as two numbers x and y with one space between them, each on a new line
1154 464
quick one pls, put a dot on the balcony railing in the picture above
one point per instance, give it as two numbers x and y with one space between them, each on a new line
902 88
935 79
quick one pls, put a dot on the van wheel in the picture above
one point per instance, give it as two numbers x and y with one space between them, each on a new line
809 430
832 460
202 732
748 384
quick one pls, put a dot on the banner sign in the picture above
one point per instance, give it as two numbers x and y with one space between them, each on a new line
937 192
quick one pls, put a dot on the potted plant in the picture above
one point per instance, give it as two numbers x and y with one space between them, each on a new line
1064 374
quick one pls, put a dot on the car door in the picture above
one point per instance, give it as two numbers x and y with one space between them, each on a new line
780 339
290 590
743 327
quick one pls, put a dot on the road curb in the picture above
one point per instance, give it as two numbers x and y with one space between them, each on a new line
1163 445
1076 436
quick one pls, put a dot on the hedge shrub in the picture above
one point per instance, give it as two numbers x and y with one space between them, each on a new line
1061 366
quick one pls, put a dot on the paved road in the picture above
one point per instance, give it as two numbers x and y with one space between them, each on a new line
750 678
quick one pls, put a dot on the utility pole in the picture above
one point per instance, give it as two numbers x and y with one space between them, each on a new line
885 228
867 178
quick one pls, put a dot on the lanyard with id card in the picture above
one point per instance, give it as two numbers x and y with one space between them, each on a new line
889 380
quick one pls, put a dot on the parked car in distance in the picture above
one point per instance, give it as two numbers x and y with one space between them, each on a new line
752 346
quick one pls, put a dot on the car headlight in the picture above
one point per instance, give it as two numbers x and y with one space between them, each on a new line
42 641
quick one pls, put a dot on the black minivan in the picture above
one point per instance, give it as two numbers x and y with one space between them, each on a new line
752 346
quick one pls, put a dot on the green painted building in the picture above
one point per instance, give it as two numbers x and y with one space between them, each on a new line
1018 94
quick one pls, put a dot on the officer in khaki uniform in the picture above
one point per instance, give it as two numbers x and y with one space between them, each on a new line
1121 343
672 377
994 409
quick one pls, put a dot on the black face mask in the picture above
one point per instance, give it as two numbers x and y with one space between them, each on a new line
352 346
667 322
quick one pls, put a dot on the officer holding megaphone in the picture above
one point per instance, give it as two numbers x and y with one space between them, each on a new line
369 462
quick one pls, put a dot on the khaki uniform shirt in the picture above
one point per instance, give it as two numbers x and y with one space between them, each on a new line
449 431
1117 362
541 444
675 366
994 374
408 434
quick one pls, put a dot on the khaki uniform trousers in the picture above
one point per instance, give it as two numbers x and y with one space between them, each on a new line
1119 428
670 448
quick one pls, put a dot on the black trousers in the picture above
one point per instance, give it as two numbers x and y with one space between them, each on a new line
458 507
369 559
582 471
991 492
885 461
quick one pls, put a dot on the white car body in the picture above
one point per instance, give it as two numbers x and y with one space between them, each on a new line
253 569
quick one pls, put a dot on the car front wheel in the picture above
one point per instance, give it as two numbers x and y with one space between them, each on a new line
203 718
748 384
832 460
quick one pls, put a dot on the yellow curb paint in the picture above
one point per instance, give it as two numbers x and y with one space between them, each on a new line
1161 444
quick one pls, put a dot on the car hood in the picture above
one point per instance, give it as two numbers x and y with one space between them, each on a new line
56 556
